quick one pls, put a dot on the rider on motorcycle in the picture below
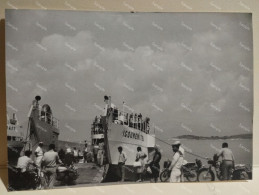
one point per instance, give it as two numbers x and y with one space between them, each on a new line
23 164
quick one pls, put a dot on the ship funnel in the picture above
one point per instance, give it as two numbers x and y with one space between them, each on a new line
106 98
14 116
37 98
13 121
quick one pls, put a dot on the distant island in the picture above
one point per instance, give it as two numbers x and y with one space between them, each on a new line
239 136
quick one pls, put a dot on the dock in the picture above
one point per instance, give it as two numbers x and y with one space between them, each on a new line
89 173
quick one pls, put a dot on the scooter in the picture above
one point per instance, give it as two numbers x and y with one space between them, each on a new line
29 180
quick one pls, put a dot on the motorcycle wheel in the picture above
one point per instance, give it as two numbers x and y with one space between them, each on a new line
244 176
165 175
240 175
192 176
206 175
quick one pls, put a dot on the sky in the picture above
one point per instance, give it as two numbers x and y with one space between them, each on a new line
191 73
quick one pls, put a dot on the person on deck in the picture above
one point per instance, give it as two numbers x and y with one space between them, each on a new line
228 161
176 163
121 162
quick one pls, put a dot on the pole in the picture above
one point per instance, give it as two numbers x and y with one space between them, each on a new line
123 113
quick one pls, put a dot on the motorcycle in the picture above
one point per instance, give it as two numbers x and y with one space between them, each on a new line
189 170
18 180
67 174
240 171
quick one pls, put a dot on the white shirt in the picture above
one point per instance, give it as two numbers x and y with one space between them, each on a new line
23 162
75 153
177 161
122 157
226 154
39 151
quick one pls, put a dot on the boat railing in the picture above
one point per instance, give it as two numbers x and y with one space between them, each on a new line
131 120
97 129
48 118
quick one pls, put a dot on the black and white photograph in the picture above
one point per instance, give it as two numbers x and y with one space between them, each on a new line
110 98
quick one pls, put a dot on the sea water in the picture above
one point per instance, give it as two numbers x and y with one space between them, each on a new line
242 149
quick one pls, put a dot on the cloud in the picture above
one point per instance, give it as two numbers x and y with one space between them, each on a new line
172 76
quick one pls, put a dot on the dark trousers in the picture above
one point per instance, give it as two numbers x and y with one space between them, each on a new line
226 167
122 170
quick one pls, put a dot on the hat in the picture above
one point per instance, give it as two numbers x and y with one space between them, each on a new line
68 150
176 143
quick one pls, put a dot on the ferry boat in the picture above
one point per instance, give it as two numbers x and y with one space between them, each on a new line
15 140
42 126
118 128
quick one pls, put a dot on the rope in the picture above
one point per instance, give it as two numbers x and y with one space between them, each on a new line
185 151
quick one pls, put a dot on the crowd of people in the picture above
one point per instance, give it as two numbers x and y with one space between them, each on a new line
48 161
176 172
132 120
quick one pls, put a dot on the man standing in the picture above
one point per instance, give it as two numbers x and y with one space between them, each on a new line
39 155
49 162
100 154
228 161
76 154
85 153
69 158
154 165
177 163
121 162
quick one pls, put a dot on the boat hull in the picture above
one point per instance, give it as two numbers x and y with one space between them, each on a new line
14 150
41 131
129 139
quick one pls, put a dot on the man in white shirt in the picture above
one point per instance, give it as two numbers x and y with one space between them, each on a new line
24 161
176 163
121 162
39 155
85 153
